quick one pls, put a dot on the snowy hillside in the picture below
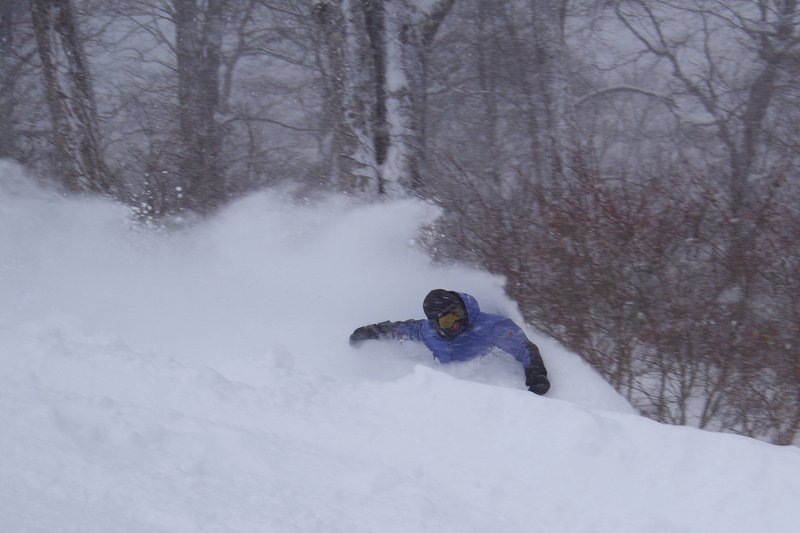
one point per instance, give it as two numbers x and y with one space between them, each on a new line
202 381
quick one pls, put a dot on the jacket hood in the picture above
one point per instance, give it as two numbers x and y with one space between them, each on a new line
471 306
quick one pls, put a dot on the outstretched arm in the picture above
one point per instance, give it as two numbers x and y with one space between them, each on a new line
408 329
512 339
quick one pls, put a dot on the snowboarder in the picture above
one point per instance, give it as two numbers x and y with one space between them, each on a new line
457 330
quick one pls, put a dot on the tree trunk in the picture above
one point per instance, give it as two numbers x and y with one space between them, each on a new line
198 36
8 79
489 95
548 97
415 31
70 98
375 24
352 59
375 65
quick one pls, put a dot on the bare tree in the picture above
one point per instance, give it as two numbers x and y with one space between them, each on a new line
198 42
12 63
375 70
351 59
415 30
737 109
548 104
70 98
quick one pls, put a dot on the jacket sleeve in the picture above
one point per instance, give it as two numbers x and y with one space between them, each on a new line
409 329
510 338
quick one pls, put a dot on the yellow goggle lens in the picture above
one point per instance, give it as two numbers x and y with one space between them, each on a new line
447 321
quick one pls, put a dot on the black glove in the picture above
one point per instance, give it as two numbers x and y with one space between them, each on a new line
364 333
535 373
372 332
537 383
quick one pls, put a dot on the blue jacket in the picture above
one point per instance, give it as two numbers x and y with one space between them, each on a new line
484 332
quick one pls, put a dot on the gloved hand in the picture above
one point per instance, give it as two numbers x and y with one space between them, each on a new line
536 382
381 330
364 333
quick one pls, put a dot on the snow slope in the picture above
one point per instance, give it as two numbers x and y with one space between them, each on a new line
201 381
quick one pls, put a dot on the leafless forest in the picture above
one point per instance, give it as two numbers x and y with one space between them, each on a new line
631 167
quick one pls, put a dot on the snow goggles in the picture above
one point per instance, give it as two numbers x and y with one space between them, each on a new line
446 321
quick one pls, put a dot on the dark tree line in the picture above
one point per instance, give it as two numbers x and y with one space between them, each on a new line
631 167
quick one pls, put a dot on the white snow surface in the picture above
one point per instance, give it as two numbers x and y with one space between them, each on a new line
201 380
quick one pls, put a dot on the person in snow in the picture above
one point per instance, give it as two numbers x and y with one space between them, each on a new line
457 330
